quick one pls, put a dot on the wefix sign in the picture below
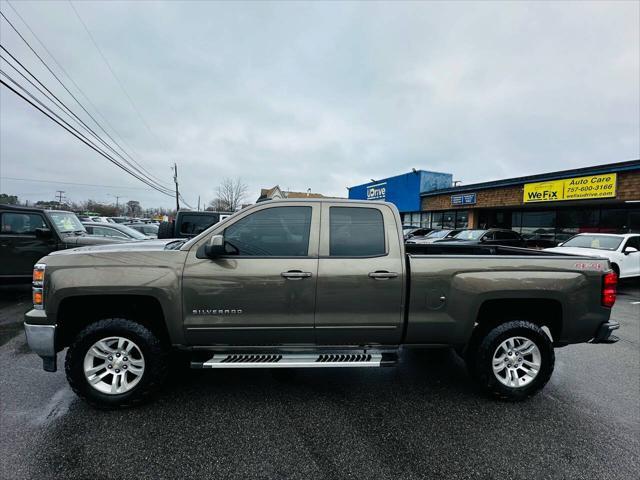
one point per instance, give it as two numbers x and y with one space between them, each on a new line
578 188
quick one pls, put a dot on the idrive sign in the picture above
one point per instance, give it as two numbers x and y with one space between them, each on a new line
377 191
577 188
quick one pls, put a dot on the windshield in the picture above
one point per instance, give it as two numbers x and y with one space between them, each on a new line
132 232
438 234
470 234
66 222
598 242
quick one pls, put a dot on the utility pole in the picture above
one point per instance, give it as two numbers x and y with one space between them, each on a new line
117 204
175 179
198 202
59 193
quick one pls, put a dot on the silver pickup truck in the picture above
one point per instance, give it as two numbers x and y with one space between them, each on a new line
313 283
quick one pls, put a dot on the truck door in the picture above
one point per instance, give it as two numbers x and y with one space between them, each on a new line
263 291
20 248
360 276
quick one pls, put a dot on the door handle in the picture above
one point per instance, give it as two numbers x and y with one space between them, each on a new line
295 275
382 275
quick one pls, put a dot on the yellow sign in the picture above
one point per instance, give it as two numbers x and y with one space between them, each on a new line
579 188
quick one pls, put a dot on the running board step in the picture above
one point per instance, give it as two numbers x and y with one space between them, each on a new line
297 360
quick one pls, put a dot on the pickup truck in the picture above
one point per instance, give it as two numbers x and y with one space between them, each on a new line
188 224
309 283
26 234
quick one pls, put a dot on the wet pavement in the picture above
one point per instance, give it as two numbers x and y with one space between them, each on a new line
421 419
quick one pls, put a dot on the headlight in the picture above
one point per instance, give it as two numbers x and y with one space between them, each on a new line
38 286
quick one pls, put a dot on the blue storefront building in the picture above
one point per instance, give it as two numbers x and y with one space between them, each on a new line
403 190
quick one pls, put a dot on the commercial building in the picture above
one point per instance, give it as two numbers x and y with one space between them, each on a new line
549 207
402 190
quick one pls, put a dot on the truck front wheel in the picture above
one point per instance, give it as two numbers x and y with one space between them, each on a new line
116 362
513 361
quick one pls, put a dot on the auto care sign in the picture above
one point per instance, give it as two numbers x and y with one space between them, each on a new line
578 188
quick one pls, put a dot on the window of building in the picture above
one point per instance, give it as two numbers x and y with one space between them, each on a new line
538 225
449 220
356 232
277 231
436 220
614 220
425 220
462 219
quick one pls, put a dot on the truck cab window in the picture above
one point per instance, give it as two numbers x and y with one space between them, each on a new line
356 232
21 223
272 232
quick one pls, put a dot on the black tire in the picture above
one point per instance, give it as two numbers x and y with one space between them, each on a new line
155 369
480 360
165 230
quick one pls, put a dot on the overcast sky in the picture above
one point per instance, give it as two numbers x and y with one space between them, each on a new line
326 95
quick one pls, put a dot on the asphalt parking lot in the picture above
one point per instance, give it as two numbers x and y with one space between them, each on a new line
419 420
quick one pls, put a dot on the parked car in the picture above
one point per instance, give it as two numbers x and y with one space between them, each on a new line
309 283
433 236
149 229
114 230
623 251
188 224
492 236
120 219
98 219
416 232
27 234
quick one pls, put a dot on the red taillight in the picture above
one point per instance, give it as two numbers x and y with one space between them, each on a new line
609 289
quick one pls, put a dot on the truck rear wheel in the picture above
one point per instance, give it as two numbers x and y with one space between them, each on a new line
513 361
116 363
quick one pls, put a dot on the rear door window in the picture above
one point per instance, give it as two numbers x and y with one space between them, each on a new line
356 232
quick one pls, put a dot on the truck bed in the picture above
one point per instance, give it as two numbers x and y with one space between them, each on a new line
450 291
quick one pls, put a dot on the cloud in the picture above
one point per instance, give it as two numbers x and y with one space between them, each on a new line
327 95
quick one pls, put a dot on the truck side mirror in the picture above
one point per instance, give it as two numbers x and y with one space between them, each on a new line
43 234
629 250
215 246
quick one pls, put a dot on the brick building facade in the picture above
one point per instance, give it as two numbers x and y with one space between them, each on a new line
610 206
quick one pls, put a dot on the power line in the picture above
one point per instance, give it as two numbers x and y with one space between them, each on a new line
19 179
96 109
73 130
62 107
78 136
68 91
95 44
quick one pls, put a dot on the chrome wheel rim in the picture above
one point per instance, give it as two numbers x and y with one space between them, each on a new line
114 365
516 362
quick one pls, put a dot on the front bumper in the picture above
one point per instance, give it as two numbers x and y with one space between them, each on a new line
603 335
41 339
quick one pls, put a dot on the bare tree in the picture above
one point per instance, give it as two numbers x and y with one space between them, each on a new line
230 194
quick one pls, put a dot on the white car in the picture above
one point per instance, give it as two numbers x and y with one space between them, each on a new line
623 251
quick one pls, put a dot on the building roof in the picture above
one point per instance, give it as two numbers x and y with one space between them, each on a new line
575 172
267 193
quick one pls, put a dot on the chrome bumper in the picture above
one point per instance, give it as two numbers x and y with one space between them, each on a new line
41 339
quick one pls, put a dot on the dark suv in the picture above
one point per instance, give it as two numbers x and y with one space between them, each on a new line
28 234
